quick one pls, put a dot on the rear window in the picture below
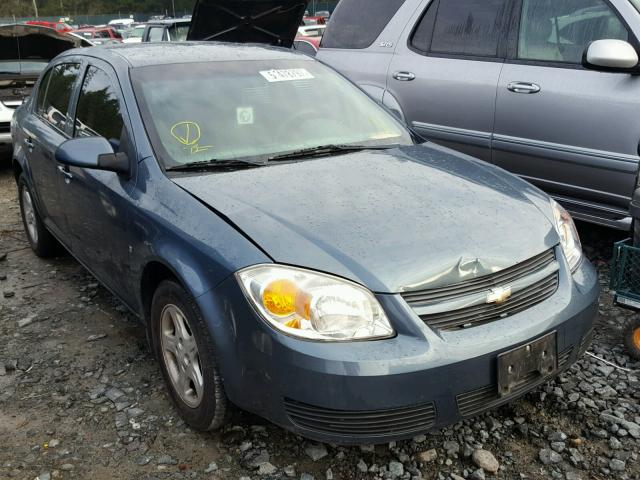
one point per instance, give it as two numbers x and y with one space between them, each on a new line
357 23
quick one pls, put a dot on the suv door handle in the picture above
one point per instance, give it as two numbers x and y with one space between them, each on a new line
66 173
523 87
29 143
404 76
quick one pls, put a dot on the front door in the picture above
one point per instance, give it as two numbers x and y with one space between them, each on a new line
97 202
573 132
445 72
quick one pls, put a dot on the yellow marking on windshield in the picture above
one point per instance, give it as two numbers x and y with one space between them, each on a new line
188 134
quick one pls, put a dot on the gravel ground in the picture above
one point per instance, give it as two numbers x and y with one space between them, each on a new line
81 397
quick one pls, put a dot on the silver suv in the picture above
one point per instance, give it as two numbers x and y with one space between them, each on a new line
547 89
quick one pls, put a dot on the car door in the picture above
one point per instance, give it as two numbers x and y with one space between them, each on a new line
97 203
445 71
573 132
45 128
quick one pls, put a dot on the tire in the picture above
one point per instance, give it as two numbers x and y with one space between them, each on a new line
632 338
177 326
42 242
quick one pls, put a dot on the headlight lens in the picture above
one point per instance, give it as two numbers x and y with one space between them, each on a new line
314 306
569 238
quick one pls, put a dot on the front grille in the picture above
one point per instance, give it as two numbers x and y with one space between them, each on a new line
5 127
487 312
370 423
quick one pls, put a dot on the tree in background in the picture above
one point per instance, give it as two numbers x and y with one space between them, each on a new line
71 8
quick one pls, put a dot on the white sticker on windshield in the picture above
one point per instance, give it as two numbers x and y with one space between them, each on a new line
287 75
245 115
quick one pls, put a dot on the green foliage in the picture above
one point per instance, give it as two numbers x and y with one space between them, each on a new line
71 8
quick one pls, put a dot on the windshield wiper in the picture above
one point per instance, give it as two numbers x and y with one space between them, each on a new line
215 165
326 150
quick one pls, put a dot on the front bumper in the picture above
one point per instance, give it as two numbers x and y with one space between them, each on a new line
379 391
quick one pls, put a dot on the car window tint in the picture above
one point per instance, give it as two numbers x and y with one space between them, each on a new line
56 102
469 27
98 112
155 34
357 23
555 31
42 91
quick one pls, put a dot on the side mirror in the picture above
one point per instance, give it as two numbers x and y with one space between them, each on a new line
93 152
611 55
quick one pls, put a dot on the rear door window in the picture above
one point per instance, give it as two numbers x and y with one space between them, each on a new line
55 106
156 34
42 92
462 27
357 23
98 112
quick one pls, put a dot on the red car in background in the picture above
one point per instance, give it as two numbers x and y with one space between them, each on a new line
100 35
313 20
60 27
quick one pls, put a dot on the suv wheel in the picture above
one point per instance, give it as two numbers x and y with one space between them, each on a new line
185 350
42 242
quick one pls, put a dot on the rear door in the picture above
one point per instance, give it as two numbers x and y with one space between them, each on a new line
571 131
45 128
446 69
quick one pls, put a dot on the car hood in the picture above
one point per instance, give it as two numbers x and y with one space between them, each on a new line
32 42
396 220
273 22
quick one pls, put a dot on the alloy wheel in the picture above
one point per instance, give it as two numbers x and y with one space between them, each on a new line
180 355
29 213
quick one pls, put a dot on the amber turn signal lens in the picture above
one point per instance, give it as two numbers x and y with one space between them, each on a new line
279 297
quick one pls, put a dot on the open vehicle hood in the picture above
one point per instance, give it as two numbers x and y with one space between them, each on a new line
398 220
273 22
32 42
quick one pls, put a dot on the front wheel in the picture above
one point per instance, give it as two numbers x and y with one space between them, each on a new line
42 242
632 338
185 350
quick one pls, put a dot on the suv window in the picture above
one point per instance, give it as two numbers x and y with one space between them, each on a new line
462 27
55 105
98 112
357 23
156 34
554 31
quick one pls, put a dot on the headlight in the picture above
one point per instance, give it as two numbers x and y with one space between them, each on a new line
569 238
312 305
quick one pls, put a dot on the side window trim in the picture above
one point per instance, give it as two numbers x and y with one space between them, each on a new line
514 39
35 108
503 43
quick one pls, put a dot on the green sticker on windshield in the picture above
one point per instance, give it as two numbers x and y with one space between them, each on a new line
188 135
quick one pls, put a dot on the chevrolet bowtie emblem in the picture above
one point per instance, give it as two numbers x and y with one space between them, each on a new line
499 295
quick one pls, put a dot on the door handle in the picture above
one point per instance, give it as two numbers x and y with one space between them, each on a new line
404 76
29 143
523 87
66 173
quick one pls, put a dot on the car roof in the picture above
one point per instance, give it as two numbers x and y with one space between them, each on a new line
166 53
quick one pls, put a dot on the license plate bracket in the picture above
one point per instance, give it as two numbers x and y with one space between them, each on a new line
527 364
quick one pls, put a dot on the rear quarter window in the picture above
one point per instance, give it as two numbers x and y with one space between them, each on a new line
356 24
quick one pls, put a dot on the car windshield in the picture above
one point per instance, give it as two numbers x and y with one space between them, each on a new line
24 67
135 32
256 109
636 3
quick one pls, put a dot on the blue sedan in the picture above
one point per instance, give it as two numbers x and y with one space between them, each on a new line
293 249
